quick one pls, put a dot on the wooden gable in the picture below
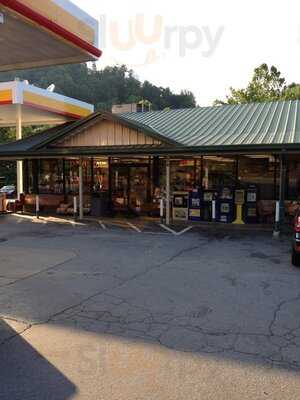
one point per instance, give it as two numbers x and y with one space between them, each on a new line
108 133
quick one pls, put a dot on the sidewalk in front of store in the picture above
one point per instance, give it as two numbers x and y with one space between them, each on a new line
146 225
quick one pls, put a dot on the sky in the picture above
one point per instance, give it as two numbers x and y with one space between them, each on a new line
203 46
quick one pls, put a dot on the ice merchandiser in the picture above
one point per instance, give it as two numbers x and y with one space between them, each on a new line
180 206
195 205
251 214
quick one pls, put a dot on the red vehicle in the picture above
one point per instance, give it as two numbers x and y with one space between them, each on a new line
296 241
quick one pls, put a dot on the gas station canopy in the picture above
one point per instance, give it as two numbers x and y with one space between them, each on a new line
37 106
45 32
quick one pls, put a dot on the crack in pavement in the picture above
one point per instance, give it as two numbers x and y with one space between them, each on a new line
52 267
123 281
186 337
278 309
165 329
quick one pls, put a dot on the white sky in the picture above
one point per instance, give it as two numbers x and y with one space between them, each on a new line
255 31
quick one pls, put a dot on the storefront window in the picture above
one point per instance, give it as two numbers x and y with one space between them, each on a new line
185 174
218 172
51 177
293 178
101 175
260 171
72 176
30 181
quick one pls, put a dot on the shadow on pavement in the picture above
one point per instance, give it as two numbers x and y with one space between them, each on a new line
25 374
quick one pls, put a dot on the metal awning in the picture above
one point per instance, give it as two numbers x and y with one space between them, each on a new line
254 124
37 106
45 32
182 127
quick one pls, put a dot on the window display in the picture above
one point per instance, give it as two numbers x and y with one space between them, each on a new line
260 171
293 178
51 180
72 176
218 172
185 175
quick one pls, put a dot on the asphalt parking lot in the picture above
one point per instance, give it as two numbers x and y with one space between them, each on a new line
125 311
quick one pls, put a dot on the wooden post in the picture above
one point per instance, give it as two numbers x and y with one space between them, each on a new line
80 189
168 192
214 213
37 206
280 206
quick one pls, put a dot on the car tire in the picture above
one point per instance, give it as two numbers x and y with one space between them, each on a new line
295 258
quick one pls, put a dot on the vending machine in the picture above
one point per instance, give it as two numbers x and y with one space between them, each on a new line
225 206
195 205
251 213
208 197
180 206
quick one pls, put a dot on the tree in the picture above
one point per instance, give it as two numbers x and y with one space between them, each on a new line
8 168
292 92
267 84
103 88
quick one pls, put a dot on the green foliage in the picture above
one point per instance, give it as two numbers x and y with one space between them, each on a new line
8 168
292 92
112 85
267 84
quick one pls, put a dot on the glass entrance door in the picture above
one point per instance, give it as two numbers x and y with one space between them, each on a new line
120 186
130 187
138 188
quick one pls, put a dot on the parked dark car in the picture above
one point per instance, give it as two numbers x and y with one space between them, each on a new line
296 241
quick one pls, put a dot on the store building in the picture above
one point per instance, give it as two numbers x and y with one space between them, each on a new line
247 155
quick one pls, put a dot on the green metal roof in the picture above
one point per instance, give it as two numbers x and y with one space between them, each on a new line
247 124
237 129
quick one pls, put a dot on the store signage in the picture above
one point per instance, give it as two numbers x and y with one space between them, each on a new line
187 163
101 164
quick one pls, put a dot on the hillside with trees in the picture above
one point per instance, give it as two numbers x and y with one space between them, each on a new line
103 88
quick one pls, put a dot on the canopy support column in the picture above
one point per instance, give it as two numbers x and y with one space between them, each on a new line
280 207
168 192
80 189
19 135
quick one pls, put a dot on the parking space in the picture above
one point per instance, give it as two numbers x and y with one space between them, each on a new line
140 226
143 226
127 308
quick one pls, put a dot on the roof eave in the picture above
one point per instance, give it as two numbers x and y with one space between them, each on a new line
153 151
